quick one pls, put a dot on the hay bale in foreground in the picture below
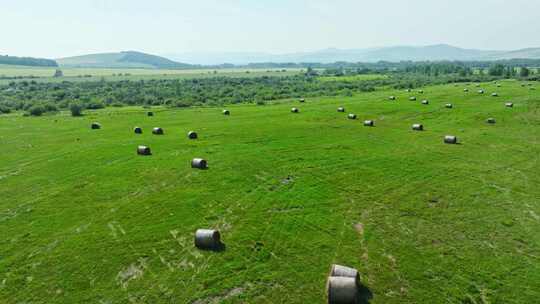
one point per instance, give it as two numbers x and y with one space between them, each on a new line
490 120
199 163
295 110
448 105
150 113
341 109
351 116
137 130
369 123
95 126
192 135
226 112
425 102
450 139
157 131
344 271
342 290
418 127
509 105
143 150
208 239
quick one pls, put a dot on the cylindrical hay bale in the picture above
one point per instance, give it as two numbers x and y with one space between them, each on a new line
192 135
494 95
157 131
199 163
226 112
351 116
295 110
137 130
412 98
342 290
150 113
95 126
490 120
509 105
418 127
421 91
207 239
465 90
425 102
480 91
341 109
392 97
450 139
369 123
344 271
302 100
143 150
448 105
408 90
498 85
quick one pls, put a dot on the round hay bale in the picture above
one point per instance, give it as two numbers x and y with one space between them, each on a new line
341 109
137 130
351 116
450 139
418 127
344 271
448 105
157 131
199 163
342 290
408 90
480 91
369 123
494 95
226 112
490 120
498 85
413 98
465 90
509 105
421 91
302 100
150 113
392 97
208 239
192 135
425 102
143 150
295 110
95 126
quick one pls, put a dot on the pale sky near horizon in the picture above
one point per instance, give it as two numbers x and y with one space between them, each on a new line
60 28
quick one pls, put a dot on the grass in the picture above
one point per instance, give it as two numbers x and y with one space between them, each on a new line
353 78
77 74
84 219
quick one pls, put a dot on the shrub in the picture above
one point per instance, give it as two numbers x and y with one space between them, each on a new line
76 109
36 110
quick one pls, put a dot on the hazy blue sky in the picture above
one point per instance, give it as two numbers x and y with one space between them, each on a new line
57 28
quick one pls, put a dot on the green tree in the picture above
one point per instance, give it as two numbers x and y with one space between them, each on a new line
524 72
76 109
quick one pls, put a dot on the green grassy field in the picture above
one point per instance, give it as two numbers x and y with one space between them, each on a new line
83 219
76 74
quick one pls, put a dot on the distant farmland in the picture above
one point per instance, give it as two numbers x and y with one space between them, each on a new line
83 219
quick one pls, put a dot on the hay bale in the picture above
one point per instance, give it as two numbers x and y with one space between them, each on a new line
408 90
192 135
143 150
150 113
509 105
421 91
344 271
341 109
351 116
490 120
448 105
465 90
498 85
392 97
95 126
208 239
413 98
418 127
450 139
342 290
226 112
494 95
302 100
157 131
137 130
295 110
369 123
425 102
480 91
199 163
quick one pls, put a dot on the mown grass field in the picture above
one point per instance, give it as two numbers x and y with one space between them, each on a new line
83 219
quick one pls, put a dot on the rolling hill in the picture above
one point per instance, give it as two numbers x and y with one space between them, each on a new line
27 61
129 59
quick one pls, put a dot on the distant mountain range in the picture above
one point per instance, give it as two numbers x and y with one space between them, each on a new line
129 59
393 54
